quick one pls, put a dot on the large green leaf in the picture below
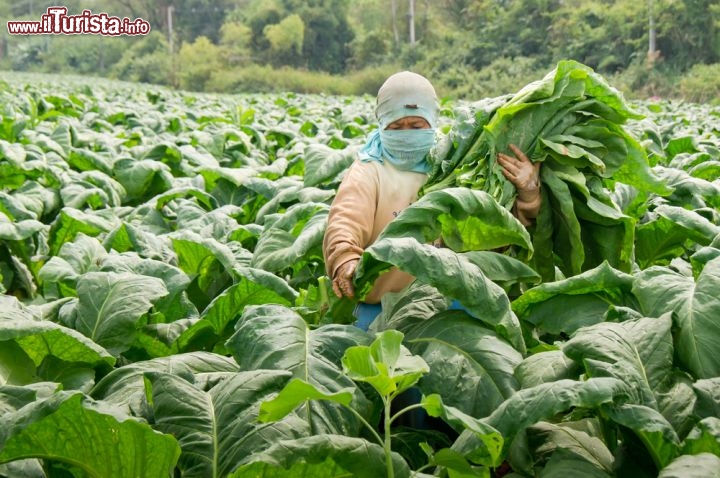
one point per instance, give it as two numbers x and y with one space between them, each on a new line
15 397
130 237
565 451
92 189
208 262
87 437
322 456
450 273
402 310
564 223
482 363
708 397
198 196
218 428
174 305
467 220
38 340
30 201
323 164
535 404
256 287
704 465
689 192
695 306
291 239
670 232
638 352
284 193
491 438
652 428
705 437
544 367
142 178
83 254
18 230
110 305
608 235
294 394
70 222
277 338
502 269
125 387
564 306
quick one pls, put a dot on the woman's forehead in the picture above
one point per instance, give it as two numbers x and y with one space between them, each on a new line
410 119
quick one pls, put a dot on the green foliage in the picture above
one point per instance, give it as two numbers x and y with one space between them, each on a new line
570 119
235 43
702 84
146 61
275 80
83 54
502 76
196 64
688 32
369 49
286 40
469 48
643 79
327 35
599 34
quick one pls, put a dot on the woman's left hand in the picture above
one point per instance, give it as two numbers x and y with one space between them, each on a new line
522 172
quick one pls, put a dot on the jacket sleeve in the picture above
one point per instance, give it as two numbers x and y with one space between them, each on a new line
352 217
527 211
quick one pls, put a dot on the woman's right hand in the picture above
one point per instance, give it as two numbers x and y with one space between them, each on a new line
342 283
523 173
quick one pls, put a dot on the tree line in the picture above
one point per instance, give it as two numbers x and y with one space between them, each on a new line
469 48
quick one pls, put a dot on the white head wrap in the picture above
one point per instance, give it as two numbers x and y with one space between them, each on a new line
406 94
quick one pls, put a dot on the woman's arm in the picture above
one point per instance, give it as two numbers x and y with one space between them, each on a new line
350 225
525 175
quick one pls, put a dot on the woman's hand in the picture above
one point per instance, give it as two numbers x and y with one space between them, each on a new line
342 283
523 173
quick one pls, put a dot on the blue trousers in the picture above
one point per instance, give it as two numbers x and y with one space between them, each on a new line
366 313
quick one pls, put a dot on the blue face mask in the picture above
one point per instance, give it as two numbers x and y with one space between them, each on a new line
407 149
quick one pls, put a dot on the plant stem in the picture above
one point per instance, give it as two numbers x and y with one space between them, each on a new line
388 436
406 409
369 427
425 467
324 299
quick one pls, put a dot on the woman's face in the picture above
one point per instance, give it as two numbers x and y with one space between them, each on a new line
409 122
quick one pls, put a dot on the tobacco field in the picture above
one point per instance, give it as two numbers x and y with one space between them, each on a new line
165 310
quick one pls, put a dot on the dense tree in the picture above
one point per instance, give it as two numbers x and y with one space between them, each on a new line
327 36
689 31
598 33
146 61
286 40
264 14
195 18
198 61
235 41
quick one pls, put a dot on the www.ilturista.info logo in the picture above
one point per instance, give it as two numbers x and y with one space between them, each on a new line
56 21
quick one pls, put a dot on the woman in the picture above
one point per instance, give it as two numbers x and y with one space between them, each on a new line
386 178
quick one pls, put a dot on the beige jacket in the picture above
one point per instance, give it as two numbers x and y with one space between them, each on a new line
370 196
